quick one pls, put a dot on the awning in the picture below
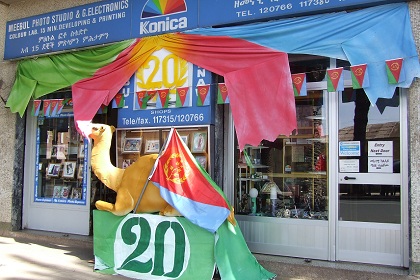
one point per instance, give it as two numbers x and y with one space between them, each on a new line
252 58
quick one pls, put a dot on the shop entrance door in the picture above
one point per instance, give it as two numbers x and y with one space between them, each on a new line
370 219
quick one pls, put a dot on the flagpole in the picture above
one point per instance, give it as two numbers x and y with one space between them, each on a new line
151 171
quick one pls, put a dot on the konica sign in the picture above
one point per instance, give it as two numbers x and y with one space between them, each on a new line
112 21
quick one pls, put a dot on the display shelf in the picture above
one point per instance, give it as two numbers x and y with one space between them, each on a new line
296 165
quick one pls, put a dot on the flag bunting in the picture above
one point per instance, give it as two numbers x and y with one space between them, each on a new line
395 71
299 84
335 81
222 94
359 76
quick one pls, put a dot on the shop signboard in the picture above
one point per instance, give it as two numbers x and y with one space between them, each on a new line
164 70
233 11
96 24
111 21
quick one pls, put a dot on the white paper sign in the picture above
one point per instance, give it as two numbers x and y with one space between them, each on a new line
380 165
380 149
349 165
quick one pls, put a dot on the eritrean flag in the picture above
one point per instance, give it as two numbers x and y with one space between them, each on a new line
163 98
36 107
118 101
335 81
103 109
182 97
47 107
359 76
54 103
187 187
222 94
143 97
395 71
203 95
299 84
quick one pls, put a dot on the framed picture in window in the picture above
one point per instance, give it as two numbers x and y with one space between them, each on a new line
81 151
80 172
132 145
199 142
53 169
185 139
152 146
202 161
69 169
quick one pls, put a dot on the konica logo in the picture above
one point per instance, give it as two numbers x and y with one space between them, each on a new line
153 11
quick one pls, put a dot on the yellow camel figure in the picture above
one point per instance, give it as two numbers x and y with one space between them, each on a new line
127 183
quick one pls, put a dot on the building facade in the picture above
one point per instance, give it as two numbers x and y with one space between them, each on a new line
277 165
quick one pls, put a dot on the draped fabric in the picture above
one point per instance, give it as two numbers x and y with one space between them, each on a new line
241 63
370 36
251 58
40 76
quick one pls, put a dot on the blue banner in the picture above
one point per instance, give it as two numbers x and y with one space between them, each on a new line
112 21
218 12
96 24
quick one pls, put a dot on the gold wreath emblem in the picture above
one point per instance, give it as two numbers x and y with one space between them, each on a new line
223 89
297 80
182 92
174 169
358 72
334 75
395 66
202 91
140 94
163 94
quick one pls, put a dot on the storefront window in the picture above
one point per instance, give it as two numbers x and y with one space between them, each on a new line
287 178
61 161
132 143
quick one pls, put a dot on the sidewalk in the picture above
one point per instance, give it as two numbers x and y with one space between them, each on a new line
42 255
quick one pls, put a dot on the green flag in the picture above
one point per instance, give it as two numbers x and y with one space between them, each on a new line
233 257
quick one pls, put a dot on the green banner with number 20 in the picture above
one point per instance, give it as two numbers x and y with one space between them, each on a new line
145 246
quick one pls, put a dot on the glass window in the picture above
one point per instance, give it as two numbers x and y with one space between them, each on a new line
61 161
287 178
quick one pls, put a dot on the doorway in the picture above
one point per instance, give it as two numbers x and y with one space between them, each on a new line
370 216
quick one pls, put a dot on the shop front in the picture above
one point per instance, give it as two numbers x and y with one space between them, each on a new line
316 168
335 189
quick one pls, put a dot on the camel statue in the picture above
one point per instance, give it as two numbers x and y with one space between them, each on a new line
127 183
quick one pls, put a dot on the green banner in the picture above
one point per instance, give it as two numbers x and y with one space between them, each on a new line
145 246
